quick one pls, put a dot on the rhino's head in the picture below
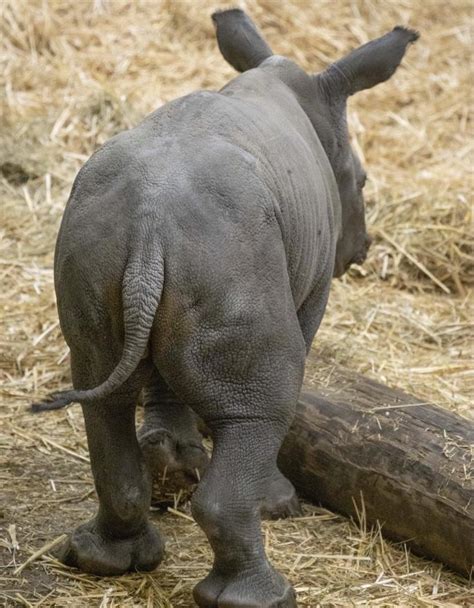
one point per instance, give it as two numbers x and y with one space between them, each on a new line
324 97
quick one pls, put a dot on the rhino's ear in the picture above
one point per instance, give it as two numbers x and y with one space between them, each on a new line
370 64
239 41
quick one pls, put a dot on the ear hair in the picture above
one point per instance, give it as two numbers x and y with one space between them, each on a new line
370 64
239 41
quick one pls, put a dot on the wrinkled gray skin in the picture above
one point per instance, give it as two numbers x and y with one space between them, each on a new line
194 261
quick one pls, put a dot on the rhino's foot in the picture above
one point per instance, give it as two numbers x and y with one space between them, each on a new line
91 551
261 589
178 462
206 593
280 500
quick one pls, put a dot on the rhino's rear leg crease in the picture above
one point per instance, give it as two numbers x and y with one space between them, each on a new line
120 538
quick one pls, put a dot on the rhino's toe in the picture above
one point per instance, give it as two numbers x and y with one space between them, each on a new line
93 552
280 500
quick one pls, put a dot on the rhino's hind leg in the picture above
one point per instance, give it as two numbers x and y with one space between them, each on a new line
227 505
119 538
246 393
169 438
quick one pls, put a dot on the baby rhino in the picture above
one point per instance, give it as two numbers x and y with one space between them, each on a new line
194 262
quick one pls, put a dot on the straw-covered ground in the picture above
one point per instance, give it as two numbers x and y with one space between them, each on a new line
76 72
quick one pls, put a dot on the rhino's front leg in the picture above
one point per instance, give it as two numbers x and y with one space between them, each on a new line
169 438
280 499
120 537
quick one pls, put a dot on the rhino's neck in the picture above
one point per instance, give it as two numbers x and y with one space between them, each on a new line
308 92
293 164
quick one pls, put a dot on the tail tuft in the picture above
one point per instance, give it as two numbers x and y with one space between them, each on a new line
54 401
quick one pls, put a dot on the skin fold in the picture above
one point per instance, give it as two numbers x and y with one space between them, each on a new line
194 263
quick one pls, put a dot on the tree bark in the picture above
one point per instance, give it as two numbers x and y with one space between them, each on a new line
410 462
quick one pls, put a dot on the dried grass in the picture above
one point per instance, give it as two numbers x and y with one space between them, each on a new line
76 73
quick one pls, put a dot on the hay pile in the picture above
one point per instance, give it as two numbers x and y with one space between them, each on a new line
75 73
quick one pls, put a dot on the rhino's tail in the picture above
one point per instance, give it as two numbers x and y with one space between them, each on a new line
141 292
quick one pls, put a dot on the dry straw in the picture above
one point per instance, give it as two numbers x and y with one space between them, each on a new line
75 73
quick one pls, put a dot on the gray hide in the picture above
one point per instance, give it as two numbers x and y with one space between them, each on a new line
194 261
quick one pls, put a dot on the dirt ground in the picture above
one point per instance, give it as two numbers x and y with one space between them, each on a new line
75 73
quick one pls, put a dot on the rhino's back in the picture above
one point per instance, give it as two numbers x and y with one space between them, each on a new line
208 164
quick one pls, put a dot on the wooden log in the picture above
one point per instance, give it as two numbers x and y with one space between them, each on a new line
411 462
